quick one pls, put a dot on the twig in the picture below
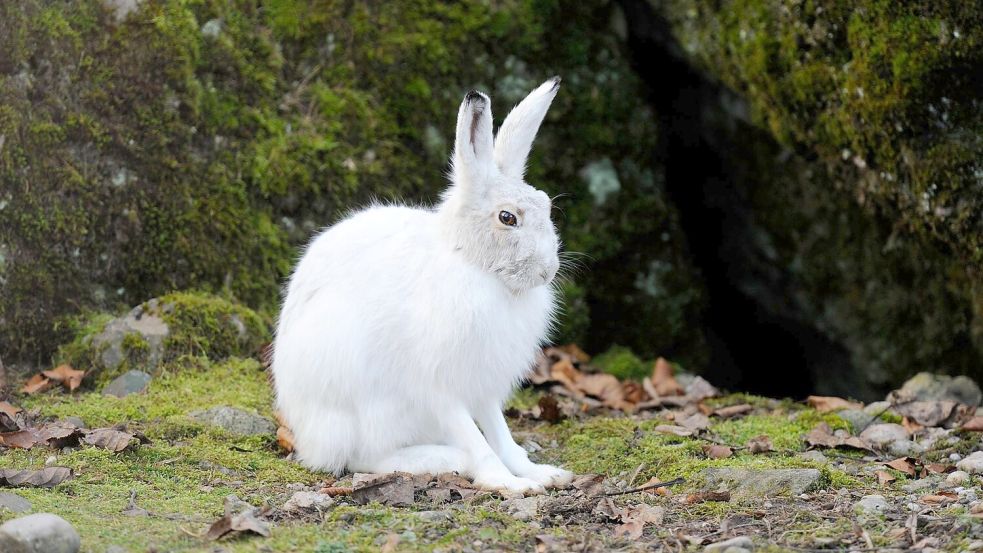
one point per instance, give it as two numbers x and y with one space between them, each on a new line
666 484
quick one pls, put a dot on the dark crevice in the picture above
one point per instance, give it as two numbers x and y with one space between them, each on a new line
752 348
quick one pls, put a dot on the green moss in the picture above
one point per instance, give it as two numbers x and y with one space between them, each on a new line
260 127
204 325
621 362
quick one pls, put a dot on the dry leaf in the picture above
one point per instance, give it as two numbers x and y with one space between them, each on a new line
674 429
9 410
702 497
975 424
21 439
939 498
109 438
44 478
36 384
716 451
66 375
662 491
759 444
903 464
60 434
825 404
605 387
939 468
335 491
589 484
8 417
822 436
733 410
395 489
635 518
249 520
574 351
884 477
633 392
663 381
549 409
911 426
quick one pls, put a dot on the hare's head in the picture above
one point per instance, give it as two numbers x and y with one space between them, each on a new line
494 217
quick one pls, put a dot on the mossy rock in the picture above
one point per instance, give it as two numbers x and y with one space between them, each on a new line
199 144
163 330
885 91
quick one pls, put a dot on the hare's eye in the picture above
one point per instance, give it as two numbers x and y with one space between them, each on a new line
507 218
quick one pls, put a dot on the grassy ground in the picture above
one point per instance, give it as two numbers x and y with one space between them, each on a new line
184 475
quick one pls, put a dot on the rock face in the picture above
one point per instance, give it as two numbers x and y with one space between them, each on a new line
39 533
212 164
130 382
762 483
845 150
14 503
235 421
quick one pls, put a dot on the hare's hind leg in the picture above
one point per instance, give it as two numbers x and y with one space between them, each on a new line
416 459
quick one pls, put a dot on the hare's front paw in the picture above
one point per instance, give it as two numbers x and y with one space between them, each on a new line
548 475
508 483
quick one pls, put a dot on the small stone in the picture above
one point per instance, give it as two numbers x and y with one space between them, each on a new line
130 382
522 508
857 419
14 503
927 386
308 501
39 533
922 484
881 435
905 448
745 483
76 421
872 504
973 464
235 421
814 455
877 408
144 323
957 478
740 542
955 457
434 516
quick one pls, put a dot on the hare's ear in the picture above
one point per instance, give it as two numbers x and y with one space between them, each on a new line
474 143
514 139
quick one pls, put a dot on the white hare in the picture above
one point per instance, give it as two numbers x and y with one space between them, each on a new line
404 330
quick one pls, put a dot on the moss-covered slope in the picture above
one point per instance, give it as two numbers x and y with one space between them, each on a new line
197 143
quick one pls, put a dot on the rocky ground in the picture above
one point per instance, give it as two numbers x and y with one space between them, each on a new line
190 459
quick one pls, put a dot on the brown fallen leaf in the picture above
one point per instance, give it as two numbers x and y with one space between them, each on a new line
605 387
759 444
674 429
663 381
974 424
733 410
36 384
715 451
590 484
21 439
822 436
911 426
48 477
578 355
249 520
635 518
903 464
939 468
549 409
8 417
826 404
394 489
884 477
66 375
939 498
633 392
9 410
661 490
60 434
702 497
109 438
335 491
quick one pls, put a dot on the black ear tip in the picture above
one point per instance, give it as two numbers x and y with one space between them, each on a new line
556 81
474 97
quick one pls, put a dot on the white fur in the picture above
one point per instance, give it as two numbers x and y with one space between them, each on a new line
404 330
